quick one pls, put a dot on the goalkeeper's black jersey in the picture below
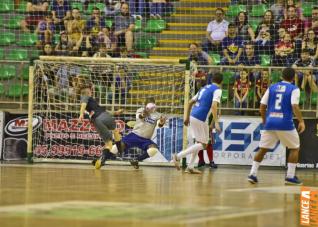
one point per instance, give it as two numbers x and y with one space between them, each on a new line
92 105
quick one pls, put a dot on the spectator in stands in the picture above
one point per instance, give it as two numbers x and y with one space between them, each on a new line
36 10
232 46
61 10
64 46
297 5
309 83
310 43
47 50
112 8
278 9
268 24
281 34
45 30
244 29
198 55
293 25
264 44
122 84
96 23
216 31
107 37
137 7
262 84
157 8
249 58
241 88
284 52
102 53
124 26
312 23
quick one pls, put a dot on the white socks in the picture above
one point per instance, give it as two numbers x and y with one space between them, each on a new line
291 170
193 148
192 159
254 168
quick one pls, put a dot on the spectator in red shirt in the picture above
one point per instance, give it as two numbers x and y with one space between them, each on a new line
312 23
241 89
284 52
262 84
293 25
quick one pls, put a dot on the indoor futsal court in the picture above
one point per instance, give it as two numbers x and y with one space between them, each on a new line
78 195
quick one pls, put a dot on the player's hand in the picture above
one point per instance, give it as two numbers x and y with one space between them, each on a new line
80 119
217 127
162 120
301 127
119 112
186 122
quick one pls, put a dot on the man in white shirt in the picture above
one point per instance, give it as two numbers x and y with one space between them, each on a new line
215 32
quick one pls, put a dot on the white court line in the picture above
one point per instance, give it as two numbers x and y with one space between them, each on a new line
271 189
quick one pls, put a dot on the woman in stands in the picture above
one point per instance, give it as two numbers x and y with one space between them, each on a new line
244 29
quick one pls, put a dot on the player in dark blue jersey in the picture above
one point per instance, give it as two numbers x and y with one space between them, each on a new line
200 105
278 104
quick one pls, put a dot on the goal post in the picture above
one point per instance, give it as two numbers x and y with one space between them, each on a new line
54 133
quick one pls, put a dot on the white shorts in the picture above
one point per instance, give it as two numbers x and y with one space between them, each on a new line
199 130
269 138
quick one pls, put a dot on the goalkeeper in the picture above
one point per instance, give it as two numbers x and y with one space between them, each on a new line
102 120
147 119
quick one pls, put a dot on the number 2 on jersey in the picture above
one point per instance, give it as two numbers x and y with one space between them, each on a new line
278 101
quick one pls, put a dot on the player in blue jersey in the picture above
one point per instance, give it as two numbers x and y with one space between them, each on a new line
200 105
278 104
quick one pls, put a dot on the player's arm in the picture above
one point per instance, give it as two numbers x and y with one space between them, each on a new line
295 104
84 100
263 106
214 109
188 110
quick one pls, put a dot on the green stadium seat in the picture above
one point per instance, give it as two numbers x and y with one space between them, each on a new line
6 6
216 58
35 54
254 24
25 72
7 72
307 9
302 98
314 97
1 21
17 55
233 10
276 76
228 77
251 95
56 38
225 95
109 23
15 91
25 89
91 6
265 60
13 22
146 42
22 7
259 10
141 54
78 5
27 39
1 89
155 25
137 25
7 38
1 53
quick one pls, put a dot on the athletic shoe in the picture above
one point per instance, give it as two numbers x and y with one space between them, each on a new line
252 179
213 165
94 161
192 171
293 181
176 161
135 164
101 161
201 164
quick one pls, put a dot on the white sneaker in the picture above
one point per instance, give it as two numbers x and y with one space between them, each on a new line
176 161
192 171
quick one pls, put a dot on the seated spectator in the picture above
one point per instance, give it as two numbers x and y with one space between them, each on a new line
124 26
304 61
36 9
278 9
215 33
284 51
249 58
244 29
310 43
264 44
61 10
64 46
96 23
268 25
293 25
157 8
312 23
262 84
102 53
241 88
281 34
137 7
107 36
47 50
309 84
232 46
45 30
198 55
111 8
297 5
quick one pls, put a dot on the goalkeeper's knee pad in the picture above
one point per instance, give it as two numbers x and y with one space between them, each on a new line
114 149
152 151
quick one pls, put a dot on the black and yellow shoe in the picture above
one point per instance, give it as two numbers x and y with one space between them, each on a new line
135 164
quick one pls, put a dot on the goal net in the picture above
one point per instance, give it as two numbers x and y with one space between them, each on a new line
57 133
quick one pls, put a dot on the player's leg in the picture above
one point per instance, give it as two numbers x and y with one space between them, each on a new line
201 162
209 150
291 140
268 141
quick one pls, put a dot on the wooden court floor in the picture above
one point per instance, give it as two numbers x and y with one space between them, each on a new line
58 195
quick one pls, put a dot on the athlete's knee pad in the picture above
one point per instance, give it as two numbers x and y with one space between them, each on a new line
114 149
152 151
108 145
